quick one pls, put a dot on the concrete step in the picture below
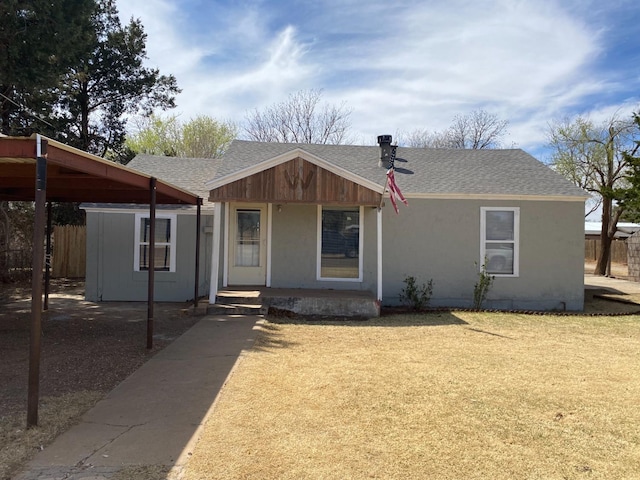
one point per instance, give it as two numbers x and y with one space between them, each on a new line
236 309
235 298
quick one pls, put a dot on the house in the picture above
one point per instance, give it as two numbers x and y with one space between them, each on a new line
319 217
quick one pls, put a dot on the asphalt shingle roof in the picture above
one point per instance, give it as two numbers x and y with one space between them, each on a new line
422 170
187 173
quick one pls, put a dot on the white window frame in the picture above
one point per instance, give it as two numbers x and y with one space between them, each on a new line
515 241
319 276
172 244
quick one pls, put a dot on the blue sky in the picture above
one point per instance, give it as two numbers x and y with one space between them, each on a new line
402 65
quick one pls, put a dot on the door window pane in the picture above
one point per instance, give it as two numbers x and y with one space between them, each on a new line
248 238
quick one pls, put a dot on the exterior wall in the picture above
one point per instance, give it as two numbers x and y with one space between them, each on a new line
440 240
110 249
294 250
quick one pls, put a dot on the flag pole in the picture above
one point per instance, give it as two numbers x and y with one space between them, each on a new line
386 183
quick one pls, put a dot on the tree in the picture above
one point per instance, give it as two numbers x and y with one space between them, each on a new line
39 41
108 83
201 137
476 130
593 157
302 118
630 195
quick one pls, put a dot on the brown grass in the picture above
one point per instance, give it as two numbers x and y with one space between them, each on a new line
461 395
57 414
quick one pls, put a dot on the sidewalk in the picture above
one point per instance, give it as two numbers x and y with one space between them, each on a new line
615 285
151 421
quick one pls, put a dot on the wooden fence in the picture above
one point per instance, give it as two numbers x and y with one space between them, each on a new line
618 250
69 251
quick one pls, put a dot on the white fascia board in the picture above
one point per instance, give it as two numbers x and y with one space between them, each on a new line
485 196
286 157
192 210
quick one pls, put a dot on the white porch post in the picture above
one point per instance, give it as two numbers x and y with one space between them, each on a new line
215 253
269 232
379 225
225 246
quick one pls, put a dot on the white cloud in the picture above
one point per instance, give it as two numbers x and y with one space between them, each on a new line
413 65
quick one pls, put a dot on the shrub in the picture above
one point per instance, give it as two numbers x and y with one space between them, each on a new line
415 296
482 286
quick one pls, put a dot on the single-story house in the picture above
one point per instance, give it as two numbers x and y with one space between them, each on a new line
311 216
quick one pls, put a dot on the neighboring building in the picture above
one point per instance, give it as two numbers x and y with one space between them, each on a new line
309 216
593 230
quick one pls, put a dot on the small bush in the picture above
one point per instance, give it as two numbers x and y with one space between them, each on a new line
482 287
415 296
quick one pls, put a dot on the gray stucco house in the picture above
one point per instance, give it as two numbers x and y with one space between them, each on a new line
319 217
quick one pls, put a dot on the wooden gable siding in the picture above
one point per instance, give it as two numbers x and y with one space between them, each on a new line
296 181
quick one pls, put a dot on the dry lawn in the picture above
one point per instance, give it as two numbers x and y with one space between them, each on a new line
460 395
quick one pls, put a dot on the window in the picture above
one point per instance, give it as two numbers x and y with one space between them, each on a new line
500 240
339 243
165 243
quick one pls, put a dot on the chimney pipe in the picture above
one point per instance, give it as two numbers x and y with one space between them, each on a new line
385 149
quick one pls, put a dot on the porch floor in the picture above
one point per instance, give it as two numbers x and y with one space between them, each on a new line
323 302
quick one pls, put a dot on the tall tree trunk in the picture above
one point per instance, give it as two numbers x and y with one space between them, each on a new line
609 228
83 98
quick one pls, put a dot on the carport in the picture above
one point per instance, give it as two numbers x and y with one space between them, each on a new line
38 169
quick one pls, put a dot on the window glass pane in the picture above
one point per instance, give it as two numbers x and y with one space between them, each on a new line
163 230
500 225
340 243
162 247
248 238
162 259
499 257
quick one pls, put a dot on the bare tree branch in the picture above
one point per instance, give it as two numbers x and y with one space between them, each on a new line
299 119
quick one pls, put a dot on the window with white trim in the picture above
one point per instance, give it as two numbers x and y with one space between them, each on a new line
340 243
500 240
165 243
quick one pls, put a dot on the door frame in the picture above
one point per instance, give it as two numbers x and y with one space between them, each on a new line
229 238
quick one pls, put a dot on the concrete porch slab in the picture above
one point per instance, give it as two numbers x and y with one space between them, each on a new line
302 301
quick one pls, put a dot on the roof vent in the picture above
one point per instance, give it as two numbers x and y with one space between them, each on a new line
385 149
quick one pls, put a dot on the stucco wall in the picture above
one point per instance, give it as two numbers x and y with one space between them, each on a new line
294 250
440 240
110 275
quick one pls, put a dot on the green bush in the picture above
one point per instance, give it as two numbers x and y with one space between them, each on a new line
414 295
482 287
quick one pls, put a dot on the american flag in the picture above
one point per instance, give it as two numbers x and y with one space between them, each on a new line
394 191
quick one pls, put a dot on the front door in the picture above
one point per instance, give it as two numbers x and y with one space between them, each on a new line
248 244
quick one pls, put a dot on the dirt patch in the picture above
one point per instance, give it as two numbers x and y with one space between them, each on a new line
87 349
618 270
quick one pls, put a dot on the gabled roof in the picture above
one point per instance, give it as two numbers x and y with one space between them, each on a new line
420 172
187 173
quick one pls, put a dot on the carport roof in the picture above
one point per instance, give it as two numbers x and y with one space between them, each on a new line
76 176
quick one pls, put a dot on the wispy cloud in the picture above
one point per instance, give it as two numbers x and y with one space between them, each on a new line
413 64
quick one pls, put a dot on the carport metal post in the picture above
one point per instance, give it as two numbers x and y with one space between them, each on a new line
47 262
152 260
36 285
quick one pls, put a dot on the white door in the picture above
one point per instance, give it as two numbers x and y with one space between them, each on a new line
248 244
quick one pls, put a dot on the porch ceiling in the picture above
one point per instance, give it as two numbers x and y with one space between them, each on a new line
76 176
296 181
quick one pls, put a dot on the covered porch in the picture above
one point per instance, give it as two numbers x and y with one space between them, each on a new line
298 234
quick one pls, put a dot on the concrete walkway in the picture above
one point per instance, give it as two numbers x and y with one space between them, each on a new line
153 418
614 285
